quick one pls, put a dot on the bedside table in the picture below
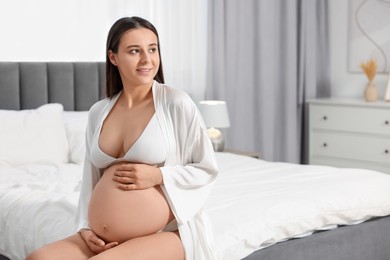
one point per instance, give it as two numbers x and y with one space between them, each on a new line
349 133
240 152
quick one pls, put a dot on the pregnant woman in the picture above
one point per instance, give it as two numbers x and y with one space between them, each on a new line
149 164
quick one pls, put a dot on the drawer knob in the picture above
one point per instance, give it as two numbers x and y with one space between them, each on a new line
324 118
324 145
387 122
387 151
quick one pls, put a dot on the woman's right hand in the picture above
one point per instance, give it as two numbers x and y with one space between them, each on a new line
96 244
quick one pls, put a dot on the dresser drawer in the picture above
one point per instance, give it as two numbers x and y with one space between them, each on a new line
351 119
349 146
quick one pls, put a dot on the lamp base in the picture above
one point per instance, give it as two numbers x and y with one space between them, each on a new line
217 139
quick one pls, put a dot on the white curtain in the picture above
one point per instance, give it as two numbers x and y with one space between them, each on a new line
76 30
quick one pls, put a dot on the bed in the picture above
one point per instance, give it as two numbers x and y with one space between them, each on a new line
258 210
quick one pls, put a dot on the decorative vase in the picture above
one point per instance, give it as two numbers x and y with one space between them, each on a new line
370 92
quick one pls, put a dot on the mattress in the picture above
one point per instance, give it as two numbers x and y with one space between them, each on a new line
367 241
255 205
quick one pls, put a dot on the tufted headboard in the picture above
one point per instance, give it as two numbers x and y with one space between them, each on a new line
27 85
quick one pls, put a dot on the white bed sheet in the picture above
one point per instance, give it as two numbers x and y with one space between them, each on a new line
37 206
254 203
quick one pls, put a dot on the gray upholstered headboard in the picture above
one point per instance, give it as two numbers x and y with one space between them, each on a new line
27 85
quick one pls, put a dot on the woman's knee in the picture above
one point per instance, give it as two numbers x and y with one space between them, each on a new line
39 254
72 247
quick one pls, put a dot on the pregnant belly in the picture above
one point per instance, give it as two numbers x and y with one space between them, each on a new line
118 215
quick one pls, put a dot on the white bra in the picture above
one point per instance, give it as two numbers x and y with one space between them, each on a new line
150 148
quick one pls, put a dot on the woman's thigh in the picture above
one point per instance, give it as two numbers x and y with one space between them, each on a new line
72 247
161 246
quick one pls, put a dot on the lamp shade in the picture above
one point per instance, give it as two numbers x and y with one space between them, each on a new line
214 113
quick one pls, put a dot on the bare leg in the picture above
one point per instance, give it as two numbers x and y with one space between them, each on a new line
72 247
161 246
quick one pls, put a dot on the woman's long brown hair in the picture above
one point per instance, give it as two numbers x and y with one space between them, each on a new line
113 80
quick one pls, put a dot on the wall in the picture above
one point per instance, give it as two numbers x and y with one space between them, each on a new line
344 83
76 30
22 37
47 30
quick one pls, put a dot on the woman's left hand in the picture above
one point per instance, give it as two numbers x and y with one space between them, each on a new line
133 176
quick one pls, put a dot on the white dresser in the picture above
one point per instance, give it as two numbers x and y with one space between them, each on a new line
349 133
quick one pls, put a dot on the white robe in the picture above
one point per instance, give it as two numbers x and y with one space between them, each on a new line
189 171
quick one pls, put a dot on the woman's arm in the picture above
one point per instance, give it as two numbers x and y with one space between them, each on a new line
91 175
191 169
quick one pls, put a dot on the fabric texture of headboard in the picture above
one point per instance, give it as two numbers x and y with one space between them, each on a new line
28 85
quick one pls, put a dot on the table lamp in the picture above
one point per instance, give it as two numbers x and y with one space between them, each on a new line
215 115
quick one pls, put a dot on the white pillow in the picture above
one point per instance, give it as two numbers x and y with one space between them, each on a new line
33 136
75 126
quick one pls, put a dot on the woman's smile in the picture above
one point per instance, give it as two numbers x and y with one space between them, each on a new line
144 70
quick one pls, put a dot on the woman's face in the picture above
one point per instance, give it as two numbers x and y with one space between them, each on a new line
137 58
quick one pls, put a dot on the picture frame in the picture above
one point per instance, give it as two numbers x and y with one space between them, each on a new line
387 93
368 30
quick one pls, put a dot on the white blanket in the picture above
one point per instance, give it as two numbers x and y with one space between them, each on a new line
254 203
37 206
257 203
